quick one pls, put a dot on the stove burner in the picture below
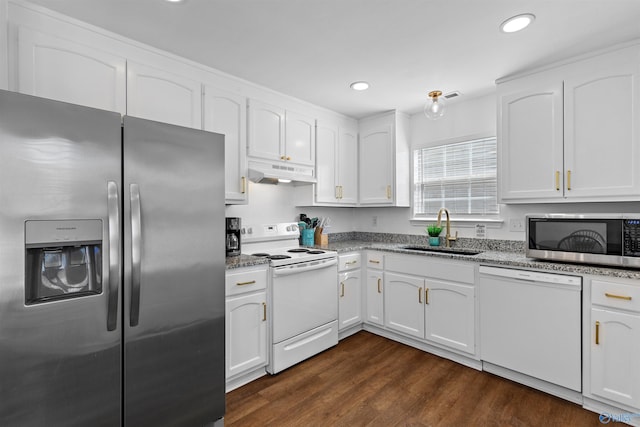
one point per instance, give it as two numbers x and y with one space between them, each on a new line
261 254
315 252
279 256
297 250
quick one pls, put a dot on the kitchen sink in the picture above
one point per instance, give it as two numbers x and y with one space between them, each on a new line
444 250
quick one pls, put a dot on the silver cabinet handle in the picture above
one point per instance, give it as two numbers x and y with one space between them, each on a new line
136 255
113 214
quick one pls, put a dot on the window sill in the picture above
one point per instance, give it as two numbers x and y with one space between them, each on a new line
460 222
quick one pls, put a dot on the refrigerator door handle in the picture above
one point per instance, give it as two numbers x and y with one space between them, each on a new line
136 244
113 212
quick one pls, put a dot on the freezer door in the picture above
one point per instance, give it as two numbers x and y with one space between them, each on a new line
174 274
60 352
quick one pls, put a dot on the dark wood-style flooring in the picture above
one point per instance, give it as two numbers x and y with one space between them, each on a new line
369 380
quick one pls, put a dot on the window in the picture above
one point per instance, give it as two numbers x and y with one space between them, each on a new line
459 176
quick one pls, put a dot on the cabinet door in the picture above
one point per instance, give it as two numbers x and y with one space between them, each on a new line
300 139
404 304
615 373
59 69
350 299
246 333
326 153
266 131
602 128
226 113
376 165
347 166
375 298
530 142
164 97
450 314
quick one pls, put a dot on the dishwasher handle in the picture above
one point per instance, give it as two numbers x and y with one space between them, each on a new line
531 276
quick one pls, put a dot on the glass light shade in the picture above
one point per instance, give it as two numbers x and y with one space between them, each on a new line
435 108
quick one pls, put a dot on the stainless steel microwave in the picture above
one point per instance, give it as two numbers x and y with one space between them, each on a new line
609 239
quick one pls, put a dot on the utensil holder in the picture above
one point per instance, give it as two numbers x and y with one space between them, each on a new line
307 237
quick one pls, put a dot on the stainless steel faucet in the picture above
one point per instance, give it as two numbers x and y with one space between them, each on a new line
448 239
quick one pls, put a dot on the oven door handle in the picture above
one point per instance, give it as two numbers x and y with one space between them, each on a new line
304 267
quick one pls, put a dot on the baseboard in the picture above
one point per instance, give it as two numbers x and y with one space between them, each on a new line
237 382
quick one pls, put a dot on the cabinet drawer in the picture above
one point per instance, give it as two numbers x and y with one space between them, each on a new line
245 281
615 295
349 262
375 260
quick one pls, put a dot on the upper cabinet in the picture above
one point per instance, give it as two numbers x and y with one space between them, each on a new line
572 133
384 160
56 68
276 134
226 113
158 95
336 164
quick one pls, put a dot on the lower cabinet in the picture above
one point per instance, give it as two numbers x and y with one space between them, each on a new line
615 342
349 290
350 302
404 302
246 325
374 288
436 301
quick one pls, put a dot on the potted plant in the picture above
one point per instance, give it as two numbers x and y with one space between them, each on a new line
434 232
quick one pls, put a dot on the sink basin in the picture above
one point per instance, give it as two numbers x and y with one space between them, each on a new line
444 250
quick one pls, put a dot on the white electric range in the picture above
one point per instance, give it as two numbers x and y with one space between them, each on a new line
302 294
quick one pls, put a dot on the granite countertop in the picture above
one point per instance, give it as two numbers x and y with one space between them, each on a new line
488 256
500 253
241 261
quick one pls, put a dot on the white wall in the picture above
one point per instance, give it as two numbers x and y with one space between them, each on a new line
468 118
270 203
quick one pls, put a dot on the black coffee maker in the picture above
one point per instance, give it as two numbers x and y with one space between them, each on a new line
232 241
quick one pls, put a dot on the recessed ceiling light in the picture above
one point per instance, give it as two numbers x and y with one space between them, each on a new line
359 85
175 1
517 23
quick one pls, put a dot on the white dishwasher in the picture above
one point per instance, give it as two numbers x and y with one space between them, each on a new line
530 323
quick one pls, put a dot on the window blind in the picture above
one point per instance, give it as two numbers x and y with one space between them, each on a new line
461 177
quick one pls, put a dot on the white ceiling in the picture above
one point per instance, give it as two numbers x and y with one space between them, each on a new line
313 49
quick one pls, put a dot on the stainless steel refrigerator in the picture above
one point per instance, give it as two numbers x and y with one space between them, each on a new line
111 269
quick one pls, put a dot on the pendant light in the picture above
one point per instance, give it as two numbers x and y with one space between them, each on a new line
435 109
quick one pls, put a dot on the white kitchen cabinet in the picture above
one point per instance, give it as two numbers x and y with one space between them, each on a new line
300 139
404 304
530 140
374 308
374 288
450 314
278 135
572 133
431 299
60 69
226 113
350 301
384 160
246 325
336 164
349 290
162 96
615 342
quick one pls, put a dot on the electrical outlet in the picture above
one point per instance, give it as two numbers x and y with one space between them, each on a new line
374 221
481 231
516 224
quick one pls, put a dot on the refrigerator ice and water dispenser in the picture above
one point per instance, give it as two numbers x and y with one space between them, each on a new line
63 259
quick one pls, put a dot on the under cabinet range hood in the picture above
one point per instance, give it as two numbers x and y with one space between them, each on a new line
273 173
